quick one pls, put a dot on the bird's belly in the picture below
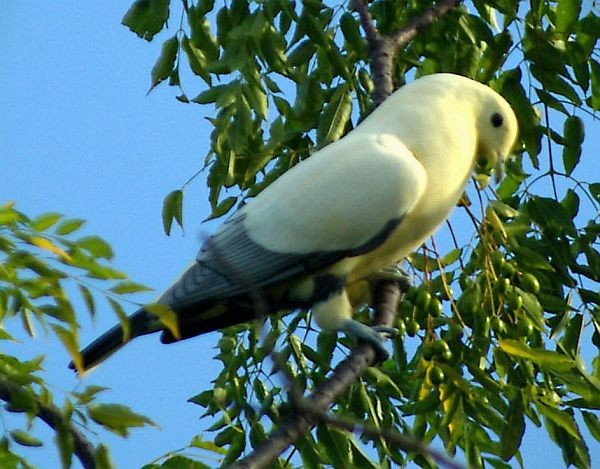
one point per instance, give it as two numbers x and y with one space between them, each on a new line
410 234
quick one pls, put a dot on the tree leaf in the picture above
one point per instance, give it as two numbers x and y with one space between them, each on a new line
25 439
96 246
44 243
102 457
69 340
123 318
146 17
44 221
513 428
128 287
166 61
545 359
88 298
560 418
574 136
69 226
172 209
117 418
567 13
335 116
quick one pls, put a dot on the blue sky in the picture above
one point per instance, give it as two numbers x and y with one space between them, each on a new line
79 135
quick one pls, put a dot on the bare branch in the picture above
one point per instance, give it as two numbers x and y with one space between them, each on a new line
382 49
366 20
52 416
406 442
402 37
344 375
381 54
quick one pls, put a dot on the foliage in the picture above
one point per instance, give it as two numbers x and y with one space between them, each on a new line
39 258
493 331
495 327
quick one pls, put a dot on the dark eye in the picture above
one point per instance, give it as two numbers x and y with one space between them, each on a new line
497 120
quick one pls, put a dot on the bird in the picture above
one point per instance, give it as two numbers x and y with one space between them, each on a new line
338 219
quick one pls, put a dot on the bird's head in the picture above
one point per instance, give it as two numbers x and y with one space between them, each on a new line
497 130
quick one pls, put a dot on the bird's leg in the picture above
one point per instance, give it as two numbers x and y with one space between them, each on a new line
332 310
371 335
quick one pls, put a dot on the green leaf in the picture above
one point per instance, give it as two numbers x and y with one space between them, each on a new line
123 318
117 418
198 442
128 287
595 100
102 457
222 207
567 14
96 246
335 445
335 116
214 93
545 359
88 298
513 428
44 221
172 209
351 31
301 54
595 191
241 127
560 418
257 98
69 341
69 226
146 17
166 61
25 439
574 136
196 59
550 215
593 423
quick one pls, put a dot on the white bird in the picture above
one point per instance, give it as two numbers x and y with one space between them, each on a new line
338 218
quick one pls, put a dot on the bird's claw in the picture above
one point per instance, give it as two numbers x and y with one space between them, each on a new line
371 335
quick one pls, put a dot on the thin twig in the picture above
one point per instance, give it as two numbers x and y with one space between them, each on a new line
382 49
52 416
406 34
344 375
405 442
387 294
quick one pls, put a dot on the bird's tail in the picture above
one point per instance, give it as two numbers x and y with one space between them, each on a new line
141 323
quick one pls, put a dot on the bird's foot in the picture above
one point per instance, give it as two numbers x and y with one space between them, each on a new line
392 272
371 335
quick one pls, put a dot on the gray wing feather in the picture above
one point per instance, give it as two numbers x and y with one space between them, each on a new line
230 263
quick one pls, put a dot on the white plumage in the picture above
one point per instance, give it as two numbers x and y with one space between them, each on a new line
351 209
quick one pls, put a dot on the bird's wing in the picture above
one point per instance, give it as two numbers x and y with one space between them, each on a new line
343 201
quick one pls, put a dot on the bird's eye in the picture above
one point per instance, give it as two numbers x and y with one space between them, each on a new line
497 120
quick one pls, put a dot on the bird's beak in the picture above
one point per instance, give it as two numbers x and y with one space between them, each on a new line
499 168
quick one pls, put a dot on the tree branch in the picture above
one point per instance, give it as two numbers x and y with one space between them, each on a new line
387 294
344 375
382 49
404 35
52 416
406 442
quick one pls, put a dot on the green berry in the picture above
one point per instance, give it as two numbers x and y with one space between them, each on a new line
423 299
412 327
529 283
435 307
436 375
